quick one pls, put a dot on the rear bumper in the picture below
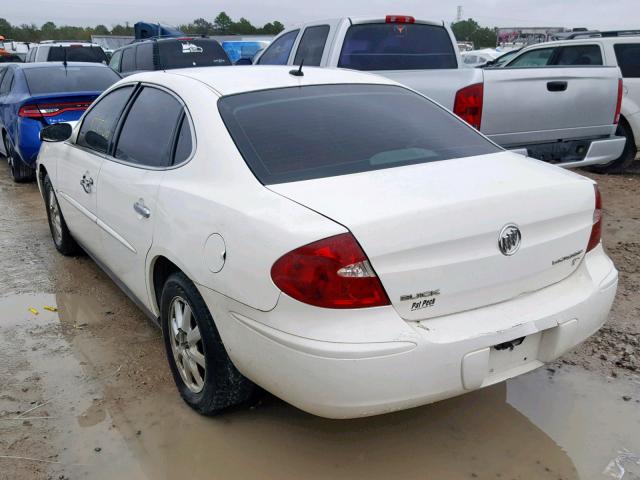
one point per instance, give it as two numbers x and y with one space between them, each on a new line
410 363
600 152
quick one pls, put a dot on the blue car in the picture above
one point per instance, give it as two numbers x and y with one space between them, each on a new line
34 95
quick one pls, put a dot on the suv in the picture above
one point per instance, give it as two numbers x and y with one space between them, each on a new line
71 51
167 54
613 49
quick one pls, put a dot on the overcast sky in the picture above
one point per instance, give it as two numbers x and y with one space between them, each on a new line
602 14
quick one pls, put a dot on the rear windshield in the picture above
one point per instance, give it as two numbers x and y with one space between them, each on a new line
301 133
397 46
69 79
191 53
77 54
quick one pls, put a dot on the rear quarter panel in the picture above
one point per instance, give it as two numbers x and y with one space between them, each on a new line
216 193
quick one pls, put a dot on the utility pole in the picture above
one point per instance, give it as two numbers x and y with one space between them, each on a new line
459 14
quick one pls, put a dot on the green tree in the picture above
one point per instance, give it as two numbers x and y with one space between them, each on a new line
470 31
243 27
101 30
223 23
201 26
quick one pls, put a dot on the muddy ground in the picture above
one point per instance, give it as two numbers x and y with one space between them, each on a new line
85 391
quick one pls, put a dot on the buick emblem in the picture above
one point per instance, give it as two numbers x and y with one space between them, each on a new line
509 239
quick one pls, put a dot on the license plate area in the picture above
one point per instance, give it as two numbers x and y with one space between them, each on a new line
511 355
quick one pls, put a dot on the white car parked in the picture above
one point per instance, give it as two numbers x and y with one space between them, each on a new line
329 235
612 49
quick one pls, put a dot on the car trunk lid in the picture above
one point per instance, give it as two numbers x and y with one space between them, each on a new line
431 231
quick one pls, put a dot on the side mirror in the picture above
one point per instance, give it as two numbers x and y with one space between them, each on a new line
244 61
58 132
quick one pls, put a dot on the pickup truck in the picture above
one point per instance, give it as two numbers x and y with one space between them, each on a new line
611 48
565 114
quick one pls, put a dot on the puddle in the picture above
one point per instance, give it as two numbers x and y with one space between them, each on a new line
113 412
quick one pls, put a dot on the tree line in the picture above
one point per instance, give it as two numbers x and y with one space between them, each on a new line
471 31
221 25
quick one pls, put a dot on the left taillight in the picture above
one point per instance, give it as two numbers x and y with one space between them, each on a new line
51 109
468 104
596 229
616 118
330 273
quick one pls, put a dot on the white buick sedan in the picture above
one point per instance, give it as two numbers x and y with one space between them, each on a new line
333 237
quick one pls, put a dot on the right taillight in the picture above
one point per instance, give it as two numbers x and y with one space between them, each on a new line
596 229
616 118
468 104
330 273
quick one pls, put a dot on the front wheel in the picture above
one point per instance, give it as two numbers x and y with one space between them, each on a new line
62 238
628 154
204 374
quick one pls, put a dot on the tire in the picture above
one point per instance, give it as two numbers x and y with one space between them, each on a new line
628 155
62 238
20 171
217 384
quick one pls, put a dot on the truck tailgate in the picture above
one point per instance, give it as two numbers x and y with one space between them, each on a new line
535 105
438 85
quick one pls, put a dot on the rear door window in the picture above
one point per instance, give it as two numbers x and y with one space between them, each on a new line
301 133
278 52
100 122
144 56
154 117
628 55
7 82
42 53
191 53
311 45
77 53
128 60
578 55
533 58
184 142
115 60
397 46
54 79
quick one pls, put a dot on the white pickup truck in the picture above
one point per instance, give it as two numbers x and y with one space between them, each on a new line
566 114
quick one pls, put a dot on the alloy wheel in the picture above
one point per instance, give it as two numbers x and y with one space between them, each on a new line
56 218
186 344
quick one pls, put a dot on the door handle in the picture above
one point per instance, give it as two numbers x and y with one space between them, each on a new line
87 183
557 86
142 209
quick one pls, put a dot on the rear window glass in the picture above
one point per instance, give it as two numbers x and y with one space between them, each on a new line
77 54
397 46
301 133
628 56
69 79
191 53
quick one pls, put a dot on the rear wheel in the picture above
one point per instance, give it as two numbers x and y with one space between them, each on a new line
62 238
20 171
204 374
628 155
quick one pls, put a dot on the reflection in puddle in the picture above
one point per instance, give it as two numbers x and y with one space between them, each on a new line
116 411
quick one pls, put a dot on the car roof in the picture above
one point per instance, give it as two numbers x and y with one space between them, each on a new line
29 65
240 79
67 43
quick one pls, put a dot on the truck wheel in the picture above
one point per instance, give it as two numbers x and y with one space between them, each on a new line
62 238
204 374
20 171
628 155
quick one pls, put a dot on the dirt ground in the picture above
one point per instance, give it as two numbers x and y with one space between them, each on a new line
85 391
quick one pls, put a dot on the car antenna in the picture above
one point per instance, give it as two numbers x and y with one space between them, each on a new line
64 60
298 72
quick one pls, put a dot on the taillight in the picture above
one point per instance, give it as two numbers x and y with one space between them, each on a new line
468 104
399 19
616 118
596 230
51 109
330 273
